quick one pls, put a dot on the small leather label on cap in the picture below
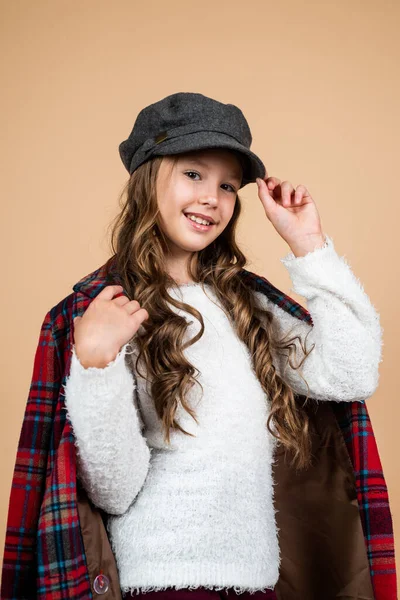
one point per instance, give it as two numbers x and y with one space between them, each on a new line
161 137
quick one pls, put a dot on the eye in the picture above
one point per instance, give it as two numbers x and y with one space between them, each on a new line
232 188
188 173
191 173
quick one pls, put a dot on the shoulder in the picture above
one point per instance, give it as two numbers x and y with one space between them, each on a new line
271 298
62 314
84 292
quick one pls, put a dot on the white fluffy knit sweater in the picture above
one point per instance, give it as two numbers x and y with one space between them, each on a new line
200 512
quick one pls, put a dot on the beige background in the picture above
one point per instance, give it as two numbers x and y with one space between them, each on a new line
319 85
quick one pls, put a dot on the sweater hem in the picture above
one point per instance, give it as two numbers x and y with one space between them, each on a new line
160 577
238 589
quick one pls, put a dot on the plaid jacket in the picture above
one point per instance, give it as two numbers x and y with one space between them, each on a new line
44 555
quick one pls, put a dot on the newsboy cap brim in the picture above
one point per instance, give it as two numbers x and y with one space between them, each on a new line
199 140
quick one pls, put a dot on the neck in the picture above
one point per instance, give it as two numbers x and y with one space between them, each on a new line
178 268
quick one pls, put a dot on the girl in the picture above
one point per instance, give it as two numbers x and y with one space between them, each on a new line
183 381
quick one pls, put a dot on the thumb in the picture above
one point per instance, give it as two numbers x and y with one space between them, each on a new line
266 198
76 320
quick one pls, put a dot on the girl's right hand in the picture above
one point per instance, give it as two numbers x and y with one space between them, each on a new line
107 324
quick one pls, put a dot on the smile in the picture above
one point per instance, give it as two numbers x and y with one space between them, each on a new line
198 226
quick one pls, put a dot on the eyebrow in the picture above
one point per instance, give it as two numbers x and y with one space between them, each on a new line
198 161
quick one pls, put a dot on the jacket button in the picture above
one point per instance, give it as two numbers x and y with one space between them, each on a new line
101 584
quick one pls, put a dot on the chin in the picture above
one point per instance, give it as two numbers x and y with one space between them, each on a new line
193 247
189 243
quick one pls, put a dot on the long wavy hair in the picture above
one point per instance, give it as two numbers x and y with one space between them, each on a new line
140 246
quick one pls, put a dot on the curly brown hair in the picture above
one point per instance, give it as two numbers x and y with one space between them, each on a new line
139 261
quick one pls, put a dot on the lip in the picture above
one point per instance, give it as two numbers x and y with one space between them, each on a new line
201 216
197 226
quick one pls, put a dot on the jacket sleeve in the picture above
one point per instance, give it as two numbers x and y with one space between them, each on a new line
346 330
112 455
27 488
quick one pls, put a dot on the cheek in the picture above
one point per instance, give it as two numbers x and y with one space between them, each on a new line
167 207
173 204
229 209
171 213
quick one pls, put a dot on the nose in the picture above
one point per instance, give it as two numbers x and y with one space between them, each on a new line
208 199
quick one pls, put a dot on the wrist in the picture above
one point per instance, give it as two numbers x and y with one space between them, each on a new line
308 244
88 360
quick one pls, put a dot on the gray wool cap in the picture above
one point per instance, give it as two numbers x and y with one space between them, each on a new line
187 121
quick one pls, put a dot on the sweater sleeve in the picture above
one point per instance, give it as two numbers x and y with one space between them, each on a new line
112 454
346 331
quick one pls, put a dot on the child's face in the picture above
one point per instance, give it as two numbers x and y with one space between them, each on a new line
203 182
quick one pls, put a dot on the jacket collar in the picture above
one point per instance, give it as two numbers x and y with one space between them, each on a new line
90 285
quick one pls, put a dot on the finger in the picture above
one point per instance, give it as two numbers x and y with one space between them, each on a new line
266 198
274 188
272 182
121 300
109 291
271 186
132 307
287 190
299 193
139 316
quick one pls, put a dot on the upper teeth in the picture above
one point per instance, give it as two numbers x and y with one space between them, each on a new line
198 220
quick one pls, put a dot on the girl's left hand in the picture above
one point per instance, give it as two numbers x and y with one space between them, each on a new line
292 212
